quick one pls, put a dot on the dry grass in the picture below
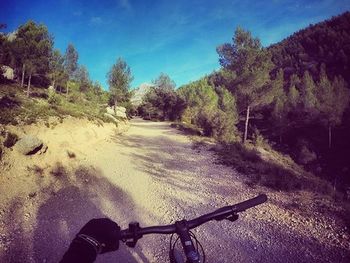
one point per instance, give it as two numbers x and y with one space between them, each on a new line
270 169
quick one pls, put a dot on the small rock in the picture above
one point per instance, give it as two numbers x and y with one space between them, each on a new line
71 154
110 110
110 116
29 145
31 195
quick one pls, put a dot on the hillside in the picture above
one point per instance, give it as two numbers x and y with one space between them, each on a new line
310 71
325 43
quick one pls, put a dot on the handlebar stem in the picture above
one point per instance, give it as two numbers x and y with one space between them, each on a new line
182 230
134 230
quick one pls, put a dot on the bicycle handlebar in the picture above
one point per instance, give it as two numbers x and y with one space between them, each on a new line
219 214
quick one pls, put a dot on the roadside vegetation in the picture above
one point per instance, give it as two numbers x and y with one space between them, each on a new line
45 83
279 114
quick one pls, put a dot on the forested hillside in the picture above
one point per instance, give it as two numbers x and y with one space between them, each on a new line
316 58
327 42
292 96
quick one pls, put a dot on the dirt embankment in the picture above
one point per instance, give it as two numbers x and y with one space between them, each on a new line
154 175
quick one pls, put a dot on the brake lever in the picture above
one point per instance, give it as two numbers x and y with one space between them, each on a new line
134 228
232 217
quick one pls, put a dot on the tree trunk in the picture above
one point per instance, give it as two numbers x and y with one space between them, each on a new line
329 136
67 91
246 125
23 72
280 130
28 88
53 84
115 104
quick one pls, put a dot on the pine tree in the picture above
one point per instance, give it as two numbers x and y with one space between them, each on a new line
279 112
82 76
34 44
57 73
164 82
250 65
70 63
333 99
119 79
308 97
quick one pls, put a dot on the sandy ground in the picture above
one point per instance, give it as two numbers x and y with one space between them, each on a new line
154 175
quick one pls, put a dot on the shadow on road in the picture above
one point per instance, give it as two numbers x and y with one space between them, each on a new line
165 158
72 201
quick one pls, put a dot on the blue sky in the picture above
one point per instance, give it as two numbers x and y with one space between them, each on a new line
153 36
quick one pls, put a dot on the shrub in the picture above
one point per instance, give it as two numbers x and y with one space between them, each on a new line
130 109
187 128
211 109
248 161
259 140
9 101
54 99
75 97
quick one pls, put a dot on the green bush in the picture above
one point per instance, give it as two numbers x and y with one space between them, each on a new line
131 110
211 109
54 99
187 128
75 97
259 140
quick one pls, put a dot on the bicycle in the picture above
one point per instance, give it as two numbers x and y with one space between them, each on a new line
190 243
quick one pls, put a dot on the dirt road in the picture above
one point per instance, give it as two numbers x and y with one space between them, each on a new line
152 174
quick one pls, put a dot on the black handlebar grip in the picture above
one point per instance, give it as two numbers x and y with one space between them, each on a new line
249 203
